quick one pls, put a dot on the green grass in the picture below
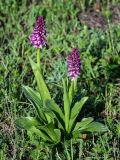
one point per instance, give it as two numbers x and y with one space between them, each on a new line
99 79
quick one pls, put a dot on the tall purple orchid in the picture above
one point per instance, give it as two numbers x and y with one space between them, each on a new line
38 36
74 64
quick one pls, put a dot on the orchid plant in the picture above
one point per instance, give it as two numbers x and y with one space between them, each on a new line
52 122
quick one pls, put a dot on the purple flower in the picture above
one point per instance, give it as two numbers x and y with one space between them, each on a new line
38 37
74 64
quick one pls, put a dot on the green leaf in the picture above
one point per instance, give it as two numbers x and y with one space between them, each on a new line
44 136
44 93
77 107
75 111
90 127
31 124
32 94
26 122
43 90
58 133
96 127
84 122
35 99
49 130
77 134
66 105
52 106
71 91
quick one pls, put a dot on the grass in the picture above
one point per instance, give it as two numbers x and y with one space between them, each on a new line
99 79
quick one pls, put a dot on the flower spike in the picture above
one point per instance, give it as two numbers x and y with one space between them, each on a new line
38 36
74 64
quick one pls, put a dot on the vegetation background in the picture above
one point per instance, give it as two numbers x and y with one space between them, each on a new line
93 27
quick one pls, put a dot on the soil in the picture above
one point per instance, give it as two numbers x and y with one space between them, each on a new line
94 18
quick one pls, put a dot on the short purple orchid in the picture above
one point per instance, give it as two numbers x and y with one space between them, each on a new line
74 64
38 37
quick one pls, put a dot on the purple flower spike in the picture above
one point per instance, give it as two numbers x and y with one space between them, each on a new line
38 37
74 64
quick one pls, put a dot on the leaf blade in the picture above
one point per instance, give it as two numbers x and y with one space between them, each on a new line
83 123
96 127
26 122
44 93
77 107
52 106
66 105
75 111
34 98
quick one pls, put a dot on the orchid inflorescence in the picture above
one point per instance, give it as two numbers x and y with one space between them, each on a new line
74 64
38 37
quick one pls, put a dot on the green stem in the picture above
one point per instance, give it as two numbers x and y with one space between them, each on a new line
71 91
54 153
38 57
71 150
75 85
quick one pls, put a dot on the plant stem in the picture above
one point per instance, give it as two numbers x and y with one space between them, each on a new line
71 150
80 149
38 57
75 85
54 153
71 91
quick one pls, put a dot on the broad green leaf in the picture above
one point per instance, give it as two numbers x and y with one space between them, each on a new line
35 99
44 93
32 94
31 124
49 130
49 112
96 127
66 105
44 136
43 90
58 133
77 134
75 111
84 122
52 106
26 122
77 107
